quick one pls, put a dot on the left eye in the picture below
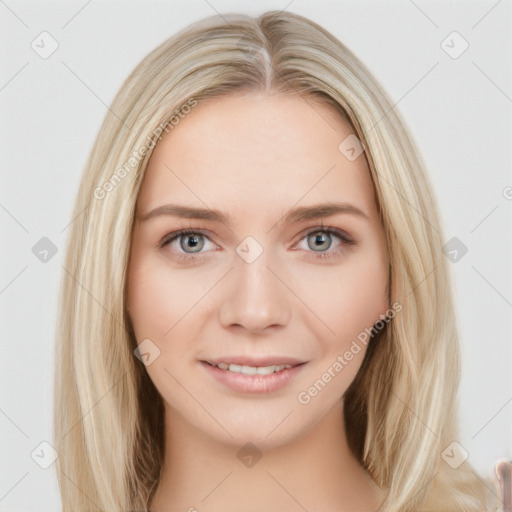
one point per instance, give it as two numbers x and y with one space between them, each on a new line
322 239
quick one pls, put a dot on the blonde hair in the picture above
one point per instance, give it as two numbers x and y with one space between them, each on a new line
400 411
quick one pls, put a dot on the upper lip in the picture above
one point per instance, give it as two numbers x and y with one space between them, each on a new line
255 361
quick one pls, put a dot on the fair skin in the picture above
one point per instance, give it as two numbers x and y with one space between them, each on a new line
255 157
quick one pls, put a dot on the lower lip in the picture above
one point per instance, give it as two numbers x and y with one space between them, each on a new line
253 383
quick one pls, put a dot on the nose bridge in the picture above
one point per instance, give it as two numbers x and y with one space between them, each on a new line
256 298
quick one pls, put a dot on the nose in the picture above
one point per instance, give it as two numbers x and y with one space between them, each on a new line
256 297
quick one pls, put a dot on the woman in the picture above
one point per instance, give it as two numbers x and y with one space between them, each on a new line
257 372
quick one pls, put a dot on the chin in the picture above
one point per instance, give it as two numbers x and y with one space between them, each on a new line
266 432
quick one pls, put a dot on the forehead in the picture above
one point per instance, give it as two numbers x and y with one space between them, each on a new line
251 154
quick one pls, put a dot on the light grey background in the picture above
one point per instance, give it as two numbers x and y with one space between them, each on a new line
459 111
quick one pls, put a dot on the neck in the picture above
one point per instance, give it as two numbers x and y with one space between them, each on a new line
316 472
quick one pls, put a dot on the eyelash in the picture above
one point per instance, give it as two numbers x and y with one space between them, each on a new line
345 240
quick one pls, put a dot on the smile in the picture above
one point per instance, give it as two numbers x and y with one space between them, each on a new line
252 370
255 378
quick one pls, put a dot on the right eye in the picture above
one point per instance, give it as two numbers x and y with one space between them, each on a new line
189 239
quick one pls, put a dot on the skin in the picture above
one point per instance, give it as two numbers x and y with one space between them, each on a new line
255 157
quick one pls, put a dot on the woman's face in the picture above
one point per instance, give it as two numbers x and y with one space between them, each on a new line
260 282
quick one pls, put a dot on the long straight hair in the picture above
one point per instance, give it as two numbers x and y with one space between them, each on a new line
400 411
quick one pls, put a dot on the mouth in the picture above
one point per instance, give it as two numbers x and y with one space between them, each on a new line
253 376
251 370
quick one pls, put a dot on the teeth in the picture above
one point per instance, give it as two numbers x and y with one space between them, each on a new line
253 370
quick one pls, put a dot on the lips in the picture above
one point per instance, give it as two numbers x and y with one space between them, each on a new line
254 375
254 361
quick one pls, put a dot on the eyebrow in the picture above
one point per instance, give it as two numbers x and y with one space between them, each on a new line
300 214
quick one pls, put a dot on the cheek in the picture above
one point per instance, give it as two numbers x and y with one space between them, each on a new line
366 287
349 298
150 300
163 309
155 300
350 301
166 305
